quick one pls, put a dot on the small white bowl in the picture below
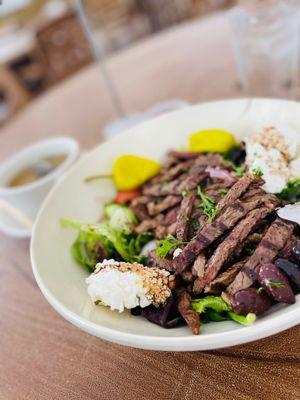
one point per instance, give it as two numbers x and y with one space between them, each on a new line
27 199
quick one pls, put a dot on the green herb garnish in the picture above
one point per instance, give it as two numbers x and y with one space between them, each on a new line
238 170
257 171
250 249
195 224
208 205
223 192
260 290
269 282
165 185
165 245
292 191
184 193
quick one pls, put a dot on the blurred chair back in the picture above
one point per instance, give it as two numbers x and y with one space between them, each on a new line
64 46
12 94
116 23
170 12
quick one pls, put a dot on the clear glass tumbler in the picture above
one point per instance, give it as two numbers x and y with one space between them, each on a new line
265 39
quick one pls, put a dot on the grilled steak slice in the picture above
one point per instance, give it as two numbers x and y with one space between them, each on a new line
199 265
187 276
225 278
186 181
169 173
155 208
184 215
178 169
161 231
210 232
287 250
138 206
172 229
183 155
197 173
149 224
184 307
274 240
155 261
237 236
166 188
251 241
171 216
253 190
237 190
192 181
146 225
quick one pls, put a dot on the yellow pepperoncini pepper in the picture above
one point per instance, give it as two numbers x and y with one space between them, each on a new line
130 171
211 141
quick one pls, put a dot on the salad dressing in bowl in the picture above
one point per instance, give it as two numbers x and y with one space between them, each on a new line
37 170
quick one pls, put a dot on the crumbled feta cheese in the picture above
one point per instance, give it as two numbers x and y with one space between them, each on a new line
295 168
121 285
273 151
148 247
291 138
177 252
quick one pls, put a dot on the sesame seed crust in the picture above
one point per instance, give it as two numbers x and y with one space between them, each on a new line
155 280
271 138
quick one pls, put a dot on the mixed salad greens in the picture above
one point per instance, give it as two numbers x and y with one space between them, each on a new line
116 236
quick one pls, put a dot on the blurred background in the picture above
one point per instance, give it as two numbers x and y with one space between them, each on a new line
42 42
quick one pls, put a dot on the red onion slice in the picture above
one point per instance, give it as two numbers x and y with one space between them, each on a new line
222 174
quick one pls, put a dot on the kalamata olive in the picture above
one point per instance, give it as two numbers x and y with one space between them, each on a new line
291 270
238 154
166 316
251 301
275 283
296 251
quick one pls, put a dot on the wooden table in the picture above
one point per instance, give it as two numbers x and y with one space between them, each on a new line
44 357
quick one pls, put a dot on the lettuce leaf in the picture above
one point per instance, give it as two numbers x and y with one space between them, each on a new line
215 303
120 218
86 248
214 308
292 191
114 235
247 320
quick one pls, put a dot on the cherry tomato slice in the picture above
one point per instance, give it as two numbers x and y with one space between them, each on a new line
127 196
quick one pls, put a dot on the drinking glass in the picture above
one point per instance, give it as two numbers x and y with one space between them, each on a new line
123 120
265 40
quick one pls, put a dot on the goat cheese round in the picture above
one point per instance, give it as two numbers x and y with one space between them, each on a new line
121 285
118 290
275 152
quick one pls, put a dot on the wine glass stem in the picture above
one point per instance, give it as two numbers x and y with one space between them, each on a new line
99 57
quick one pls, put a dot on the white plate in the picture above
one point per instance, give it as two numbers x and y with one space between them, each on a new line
62 281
